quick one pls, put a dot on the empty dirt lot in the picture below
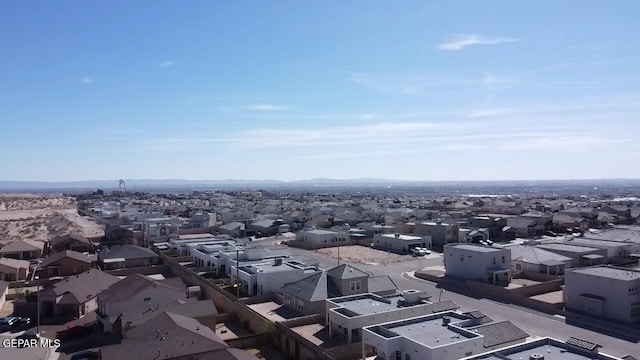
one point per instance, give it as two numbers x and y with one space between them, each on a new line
363 255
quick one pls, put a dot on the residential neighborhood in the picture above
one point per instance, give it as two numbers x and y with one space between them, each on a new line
350 286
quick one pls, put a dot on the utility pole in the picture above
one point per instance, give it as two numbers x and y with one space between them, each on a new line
237 273
38 305
338 254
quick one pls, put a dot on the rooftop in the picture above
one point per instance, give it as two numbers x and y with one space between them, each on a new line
567 248
610 272
545 348
402 237
477 248
430 331
366 304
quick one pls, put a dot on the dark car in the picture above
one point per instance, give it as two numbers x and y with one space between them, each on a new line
8 323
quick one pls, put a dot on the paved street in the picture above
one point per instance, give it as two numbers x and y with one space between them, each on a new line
531 321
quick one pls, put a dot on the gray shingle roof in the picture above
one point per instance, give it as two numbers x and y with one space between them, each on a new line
84 286
500 333
346 271
445 305
135 283
382 283
165 336
312 288
53 258
22 245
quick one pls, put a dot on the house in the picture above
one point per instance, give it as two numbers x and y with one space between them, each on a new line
4 290
136 294
441 233
172 337
547 348
127 256
479 263
72 242
13 270
22 249
235 229
267 227
604 292
308 295
269 276
526 258
158 230
527 227
66 263
615 249
313 239
473 236
579 255
346 316
430 337
241 216
76 295
401 243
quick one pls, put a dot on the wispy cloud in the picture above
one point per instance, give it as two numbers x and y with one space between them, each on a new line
167 63
461 41
85 80
266 107
565 143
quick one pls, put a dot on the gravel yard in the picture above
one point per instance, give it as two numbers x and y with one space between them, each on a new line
363 255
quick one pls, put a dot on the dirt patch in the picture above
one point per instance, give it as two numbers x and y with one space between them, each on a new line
42 218
363 255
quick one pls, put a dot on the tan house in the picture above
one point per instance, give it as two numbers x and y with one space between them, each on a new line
22 249
13 270
66 263
72 242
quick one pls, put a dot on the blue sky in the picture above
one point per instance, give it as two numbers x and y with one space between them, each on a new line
474 90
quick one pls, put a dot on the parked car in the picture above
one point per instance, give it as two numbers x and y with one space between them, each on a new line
8 323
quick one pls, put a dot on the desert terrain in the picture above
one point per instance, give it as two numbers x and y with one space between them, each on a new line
42 217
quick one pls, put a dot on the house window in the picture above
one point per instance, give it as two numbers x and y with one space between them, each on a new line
147 299
633 290
462 258
300 305
355 285
518 266
494 261
503 259
635 309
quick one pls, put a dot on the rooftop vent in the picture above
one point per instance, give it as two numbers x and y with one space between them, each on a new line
446 320
536 357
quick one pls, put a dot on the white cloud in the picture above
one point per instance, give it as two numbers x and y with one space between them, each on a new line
266 107
461 41
565 143
85 80
167 63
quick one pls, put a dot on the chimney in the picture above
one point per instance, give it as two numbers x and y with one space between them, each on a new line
446 320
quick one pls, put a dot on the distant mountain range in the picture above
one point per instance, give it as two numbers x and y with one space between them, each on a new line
142 184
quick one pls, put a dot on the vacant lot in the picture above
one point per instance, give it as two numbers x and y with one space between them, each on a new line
41 218
363 255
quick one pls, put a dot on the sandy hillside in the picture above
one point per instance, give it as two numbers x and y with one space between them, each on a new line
24 216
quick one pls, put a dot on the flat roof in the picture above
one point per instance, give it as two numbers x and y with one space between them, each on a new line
402 237
610 272
367 304
603 243
567 247
477 248
429 330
